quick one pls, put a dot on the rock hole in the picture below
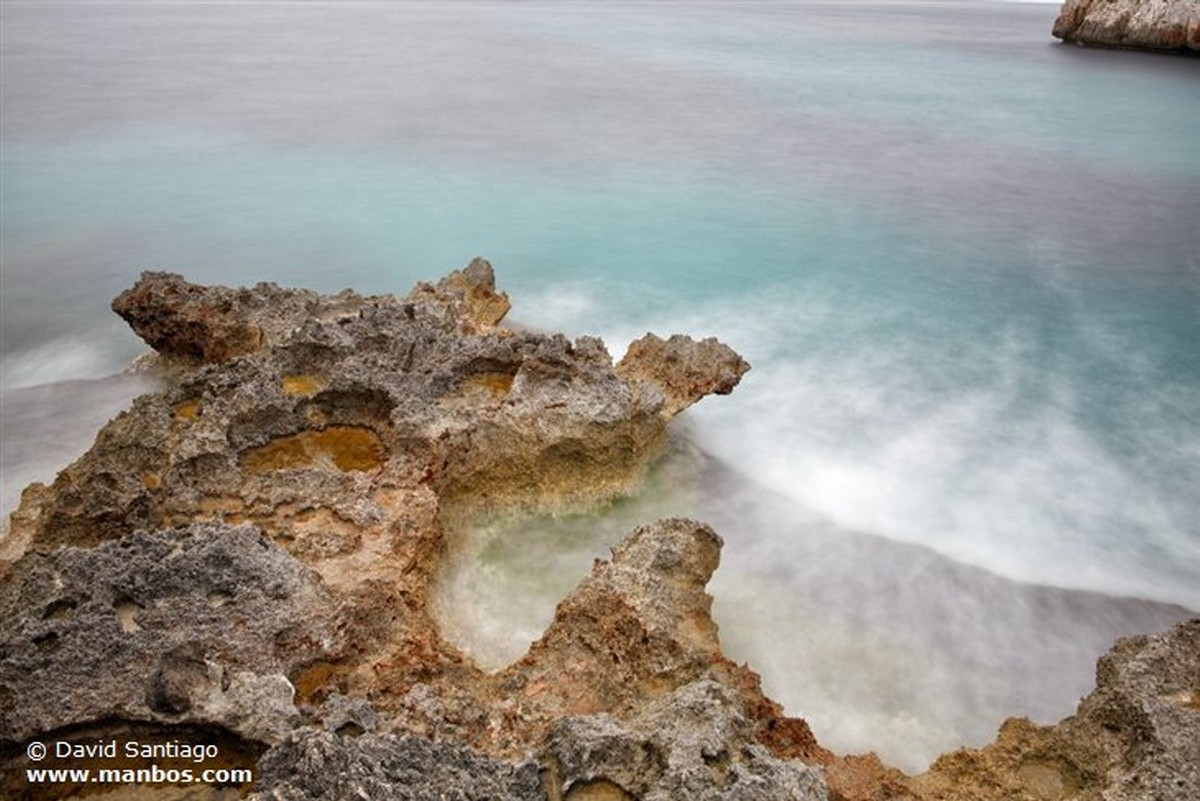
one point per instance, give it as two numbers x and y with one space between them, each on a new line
47 641
358 406
350 729
58 609
218 598
182 673
597 790
188 411
1044 781
304 384
484 387
127 609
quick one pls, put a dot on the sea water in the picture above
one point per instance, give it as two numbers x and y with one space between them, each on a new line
961 258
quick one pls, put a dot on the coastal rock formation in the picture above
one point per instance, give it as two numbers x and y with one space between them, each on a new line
682 369
206 324
1142 24
249 552
1136 737
202 624
248 557
313 765
695 743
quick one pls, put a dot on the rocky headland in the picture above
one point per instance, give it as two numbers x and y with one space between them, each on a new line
247 558
1166 25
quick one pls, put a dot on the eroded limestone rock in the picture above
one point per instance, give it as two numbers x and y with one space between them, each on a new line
199 625
355 418
313 765
248 555
190 322
694 743
251 549
683 369
1136 737
1141 24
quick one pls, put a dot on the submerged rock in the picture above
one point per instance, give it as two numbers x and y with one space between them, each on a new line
1141 24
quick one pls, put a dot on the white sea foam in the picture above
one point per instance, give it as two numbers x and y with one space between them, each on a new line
45 427
56 361
1005 474
879 645
1030 495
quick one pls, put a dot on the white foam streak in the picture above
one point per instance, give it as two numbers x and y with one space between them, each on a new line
56 361
1001 471
45 427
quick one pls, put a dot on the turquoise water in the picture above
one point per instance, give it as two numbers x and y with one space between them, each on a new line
961 258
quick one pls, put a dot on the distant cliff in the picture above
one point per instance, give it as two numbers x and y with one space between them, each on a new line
1140 24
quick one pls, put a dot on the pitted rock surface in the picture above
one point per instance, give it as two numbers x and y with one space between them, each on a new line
252 548
1136 737
202 624
313 765
694 743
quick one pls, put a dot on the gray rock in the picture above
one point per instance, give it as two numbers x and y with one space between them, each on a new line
198 625
350 716
1145 711
312 764
336 395
189 321
695 743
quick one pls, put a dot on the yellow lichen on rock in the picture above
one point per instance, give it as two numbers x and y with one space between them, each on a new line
303 384
341 447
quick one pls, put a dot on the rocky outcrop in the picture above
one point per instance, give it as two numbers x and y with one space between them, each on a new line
314 765
694 743
683 370
635 628
1136 737
201 624
1171 25
191 322
250 551
247 557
